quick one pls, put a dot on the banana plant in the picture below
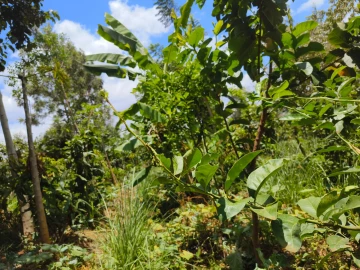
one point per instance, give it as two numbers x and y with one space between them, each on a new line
134 58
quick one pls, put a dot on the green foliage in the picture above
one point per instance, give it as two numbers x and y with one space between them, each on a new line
53 256
18 20
183 140
211 69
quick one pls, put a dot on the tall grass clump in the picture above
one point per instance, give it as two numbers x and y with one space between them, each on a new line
303 175
129 239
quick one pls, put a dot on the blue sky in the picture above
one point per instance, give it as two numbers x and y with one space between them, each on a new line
79 20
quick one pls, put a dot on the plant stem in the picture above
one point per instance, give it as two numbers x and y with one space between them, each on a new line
231 139
336 226
259 133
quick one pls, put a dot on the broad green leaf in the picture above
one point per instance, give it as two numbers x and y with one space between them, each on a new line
220 43
269 212
305 67
352 203
141 176
123 42
192 158
185 11
151 113
342 206
326 125
307 230
287 231
235 261
303 27
281 94
218 27
120 28
310 205
110 70
178 164
336 242
209 157
238 167
326 202
355 121
338 37
288 40
324 109
264 199
196 36
312 47
165 161
302 40
170 53
204 173
134 143
276 89
356 260
258 177
112 58
227 209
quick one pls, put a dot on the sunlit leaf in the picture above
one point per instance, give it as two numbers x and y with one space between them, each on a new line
337 242
287 230
310 205
269 211
218 27
227 209
196 36
204 174
259 177
238 167
303 27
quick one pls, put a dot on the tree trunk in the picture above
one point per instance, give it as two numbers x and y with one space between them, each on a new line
40 211
26 215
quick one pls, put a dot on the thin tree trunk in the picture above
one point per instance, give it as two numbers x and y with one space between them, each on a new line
40 211
26 215
257 141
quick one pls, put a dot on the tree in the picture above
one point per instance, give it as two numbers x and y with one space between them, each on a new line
40 211
59 84
166 7
23 200
19 18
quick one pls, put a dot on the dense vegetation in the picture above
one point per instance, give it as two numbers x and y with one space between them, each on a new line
199 173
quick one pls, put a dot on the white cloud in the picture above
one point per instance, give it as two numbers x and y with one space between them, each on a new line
83 39
310 4
143 22
247 83
120 92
